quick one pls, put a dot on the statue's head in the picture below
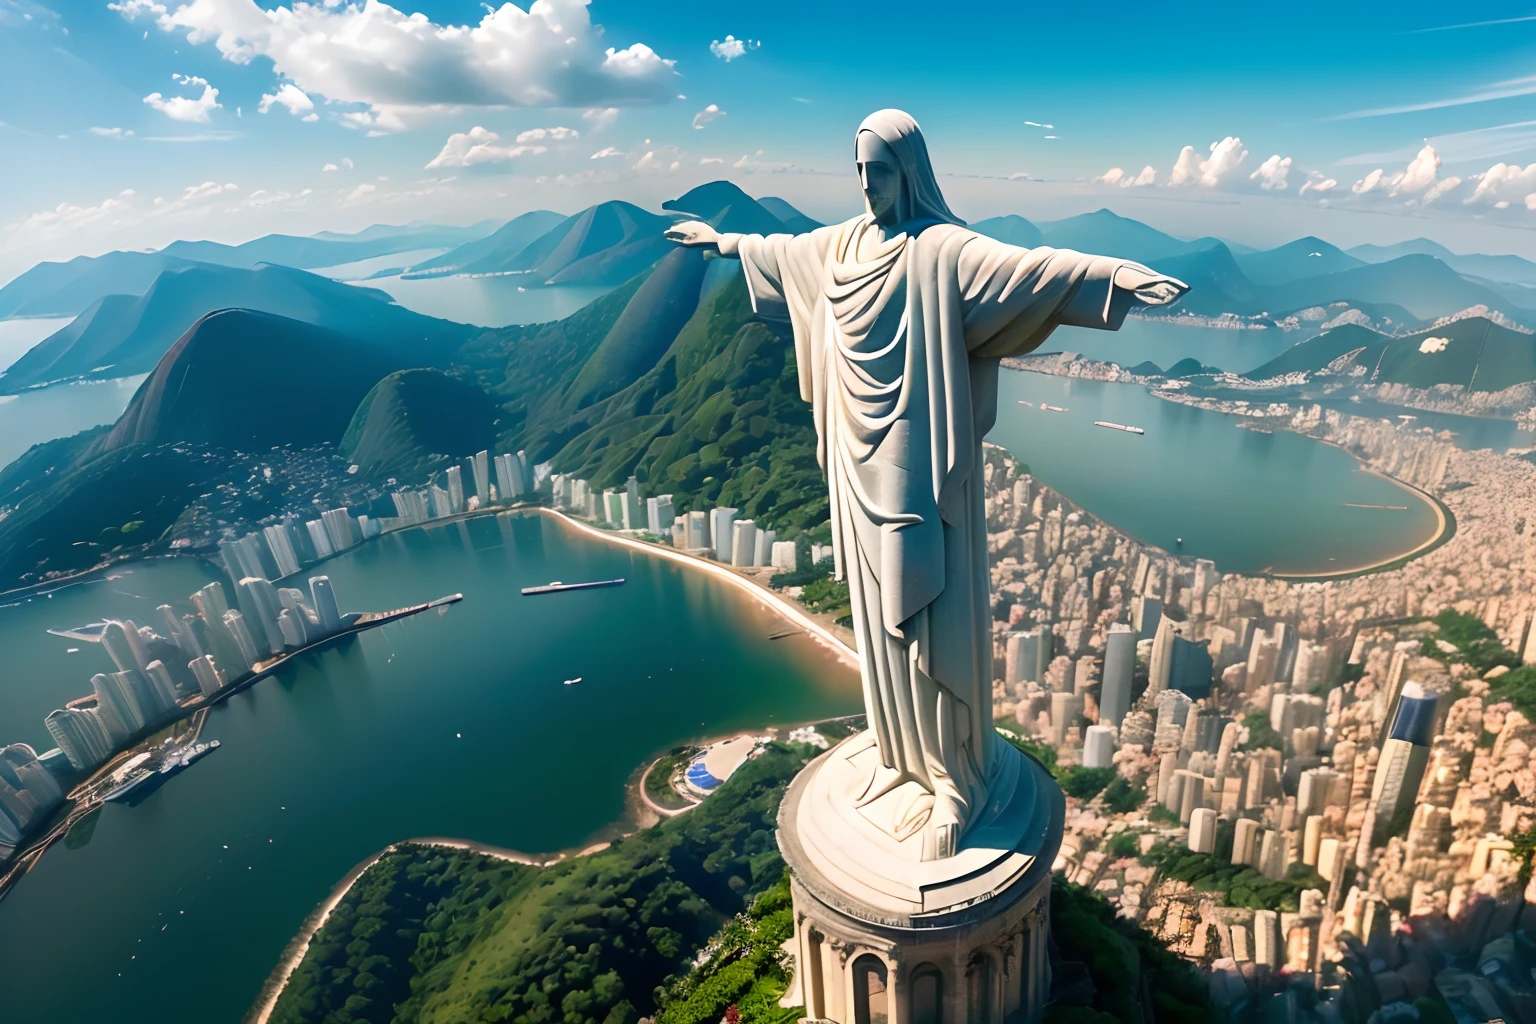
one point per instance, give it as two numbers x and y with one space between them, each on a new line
895 173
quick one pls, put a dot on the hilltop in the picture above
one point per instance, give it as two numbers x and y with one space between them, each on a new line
412 419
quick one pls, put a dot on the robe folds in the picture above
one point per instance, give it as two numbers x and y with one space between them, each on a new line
898 354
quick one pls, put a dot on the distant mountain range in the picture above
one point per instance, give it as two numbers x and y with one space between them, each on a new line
123 335
511 237
1474 353
1503 269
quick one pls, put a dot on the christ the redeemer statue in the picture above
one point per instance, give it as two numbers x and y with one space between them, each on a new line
900 318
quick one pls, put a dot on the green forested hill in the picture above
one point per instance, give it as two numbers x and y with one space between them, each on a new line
696 397
412 418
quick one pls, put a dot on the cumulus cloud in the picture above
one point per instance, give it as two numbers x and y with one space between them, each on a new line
482 146
1420 181
1190 170
360 193
707 115
1118 176
65 218
290 96
1271 174
182 108
605 153
405 69
1317 182
729 48
112 133
1504 182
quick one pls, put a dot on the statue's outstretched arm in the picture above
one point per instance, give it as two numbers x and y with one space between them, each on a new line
695 234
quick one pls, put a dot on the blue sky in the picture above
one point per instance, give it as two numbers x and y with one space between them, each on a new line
420 110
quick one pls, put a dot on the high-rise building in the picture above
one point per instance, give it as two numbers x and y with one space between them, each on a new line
324 600
209 679
633 511
1404 755
280 540
721 530
1119 674
526 471
1268 946
1065 710
455 490
699 536
235 623
658 514
509 482
260 605
117 705
479 465
292 630
785 555
1190 669
340 529
165 687
410 506
124 645
320 538
1245 842
292 599
1027 655
178 633
80 734
1099 747
1160 668
1146 614
1202 830
762 552
743 542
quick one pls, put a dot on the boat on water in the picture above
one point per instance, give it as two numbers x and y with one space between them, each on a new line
1048 407
573 682
781 634
556 586
1118 426
153 774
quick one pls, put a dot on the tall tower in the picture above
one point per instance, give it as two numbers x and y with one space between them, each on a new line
1404 755
1119 672
324 599
479 464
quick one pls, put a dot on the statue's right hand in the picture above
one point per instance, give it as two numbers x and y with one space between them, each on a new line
695 234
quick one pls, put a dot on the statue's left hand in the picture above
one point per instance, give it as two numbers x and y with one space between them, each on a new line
1150 288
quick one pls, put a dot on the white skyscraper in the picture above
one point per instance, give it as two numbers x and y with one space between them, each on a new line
455 489
479 464
743 542
1119 670
1202 830
324 601
634 511
209 679
1098 747
292 630
125 646
613 508
510 483
319 538
785 555
720 530
260 605
119 709
762 551
340 528
281 543
165 687
658 514
177 631
235 623
699 536
81 735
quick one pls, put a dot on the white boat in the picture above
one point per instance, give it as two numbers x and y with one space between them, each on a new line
573 682
1047 407
1118 426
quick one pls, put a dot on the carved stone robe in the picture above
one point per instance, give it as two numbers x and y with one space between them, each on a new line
898 356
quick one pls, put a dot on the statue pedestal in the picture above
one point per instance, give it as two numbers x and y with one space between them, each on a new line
885 937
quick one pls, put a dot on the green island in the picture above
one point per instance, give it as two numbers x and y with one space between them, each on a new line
681 923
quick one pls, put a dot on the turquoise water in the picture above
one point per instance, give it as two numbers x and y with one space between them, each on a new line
1250 501
486 301
1163 343
33 417
456 725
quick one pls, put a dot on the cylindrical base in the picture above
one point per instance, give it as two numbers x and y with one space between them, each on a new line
883 937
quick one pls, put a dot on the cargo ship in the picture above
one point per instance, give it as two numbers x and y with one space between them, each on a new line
556 587
1048 407
154 774
1118 426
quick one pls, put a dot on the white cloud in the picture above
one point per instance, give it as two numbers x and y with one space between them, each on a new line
182 108
1421 173
405 69
1037 124
1118 176
707 115
1190 170
328 167
729 48
598 118
1420 181
360 193
605 153
1429 346
710 160
290 96
1271 174
112 133
482 146
1370 183
1317 182
1503 182
1530 201
1111 176
65 218
1439 189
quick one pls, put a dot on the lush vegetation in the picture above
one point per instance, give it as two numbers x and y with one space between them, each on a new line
1240 885
1039 751
1261 733
413 419
829 597
1124 963
438 936
1476 645
1123 797
745 971
802 577
1123 844
658 780
1085 783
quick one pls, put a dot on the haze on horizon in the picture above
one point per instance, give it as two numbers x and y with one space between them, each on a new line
137 122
